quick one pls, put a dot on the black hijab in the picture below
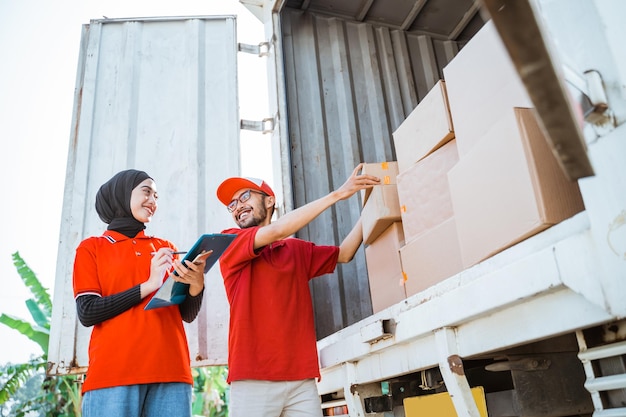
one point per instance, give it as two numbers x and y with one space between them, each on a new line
113 202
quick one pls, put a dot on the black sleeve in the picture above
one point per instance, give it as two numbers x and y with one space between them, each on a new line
93 309
190 308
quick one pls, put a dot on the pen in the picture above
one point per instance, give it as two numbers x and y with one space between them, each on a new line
173 253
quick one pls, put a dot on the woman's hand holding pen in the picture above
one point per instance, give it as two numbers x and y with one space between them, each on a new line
161 262
191 273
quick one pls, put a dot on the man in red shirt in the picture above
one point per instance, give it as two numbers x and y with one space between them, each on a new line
272 345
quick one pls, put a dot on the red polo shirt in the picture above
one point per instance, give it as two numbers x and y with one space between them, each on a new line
137 346
272 329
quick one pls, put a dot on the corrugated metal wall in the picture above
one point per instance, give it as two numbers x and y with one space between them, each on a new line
349 86
146 98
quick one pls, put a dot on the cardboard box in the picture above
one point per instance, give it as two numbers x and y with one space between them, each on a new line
380 211
424 193
509 187
431 258
482 85
425 129
386 171
383 268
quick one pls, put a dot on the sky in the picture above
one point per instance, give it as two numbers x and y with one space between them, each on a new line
39 45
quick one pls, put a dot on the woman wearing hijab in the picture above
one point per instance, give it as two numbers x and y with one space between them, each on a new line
138 359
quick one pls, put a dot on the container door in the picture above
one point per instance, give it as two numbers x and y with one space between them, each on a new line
159 95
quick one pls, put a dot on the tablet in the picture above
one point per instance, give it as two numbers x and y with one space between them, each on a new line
172 292
217 242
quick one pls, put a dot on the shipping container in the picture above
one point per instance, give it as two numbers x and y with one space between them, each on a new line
145 99
525 317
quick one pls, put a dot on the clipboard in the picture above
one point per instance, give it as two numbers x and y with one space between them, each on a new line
172 292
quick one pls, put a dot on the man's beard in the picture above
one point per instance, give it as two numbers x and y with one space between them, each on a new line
253 219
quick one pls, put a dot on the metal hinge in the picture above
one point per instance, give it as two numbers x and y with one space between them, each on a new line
266 125
262 49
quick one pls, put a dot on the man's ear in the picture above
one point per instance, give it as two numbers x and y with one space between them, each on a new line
270 201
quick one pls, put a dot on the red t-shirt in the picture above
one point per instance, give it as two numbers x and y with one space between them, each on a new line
272 329
137 346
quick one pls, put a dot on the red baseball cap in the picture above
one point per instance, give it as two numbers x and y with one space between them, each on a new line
230 186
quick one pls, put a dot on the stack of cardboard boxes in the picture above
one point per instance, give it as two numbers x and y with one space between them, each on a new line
383 236
475 175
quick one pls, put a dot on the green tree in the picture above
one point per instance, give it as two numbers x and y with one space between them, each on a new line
210 391
55 396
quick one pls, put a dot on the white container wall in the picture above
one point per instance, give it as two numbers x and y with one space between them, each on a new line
159 95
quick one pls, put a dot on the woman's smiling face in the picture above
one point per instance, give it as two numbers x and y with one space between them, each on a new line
143 201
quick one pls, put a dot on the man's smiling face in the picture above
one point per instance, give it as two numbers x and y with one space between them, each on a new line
251 212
